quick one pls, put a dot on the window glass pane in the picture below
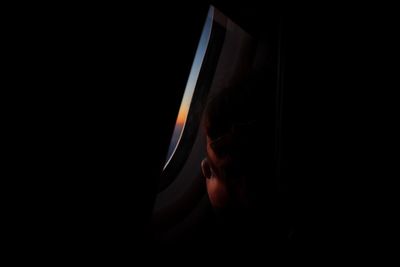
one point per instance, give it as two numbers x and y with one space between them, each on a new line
190 86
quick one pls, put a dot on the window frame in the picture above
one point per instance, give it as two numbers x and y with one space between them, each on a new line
197 105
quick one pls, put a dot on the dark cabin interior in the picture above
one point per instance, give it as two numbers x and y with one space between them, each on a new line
101 89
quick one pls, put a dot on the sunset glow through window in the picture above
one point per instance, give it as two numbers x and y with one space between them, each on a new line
190 86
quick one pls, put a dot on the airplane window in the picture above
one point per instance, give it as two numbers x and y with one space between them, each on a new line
190 86
222 55
226 55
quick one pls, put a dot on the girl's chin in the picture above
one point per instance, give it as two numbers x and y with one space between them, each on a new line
217 193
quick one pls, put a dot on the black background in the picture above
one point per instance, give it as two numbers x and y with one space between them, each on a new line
92 92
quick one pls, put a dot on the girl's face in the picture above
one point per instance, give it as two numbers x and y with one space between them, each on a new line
212 168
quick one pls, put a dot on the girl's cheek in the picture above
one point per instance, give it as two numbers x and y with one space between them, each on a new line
217 192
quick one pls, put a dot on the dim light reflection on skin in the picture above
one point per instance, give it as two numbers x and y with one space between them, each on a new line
216 179
216 187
